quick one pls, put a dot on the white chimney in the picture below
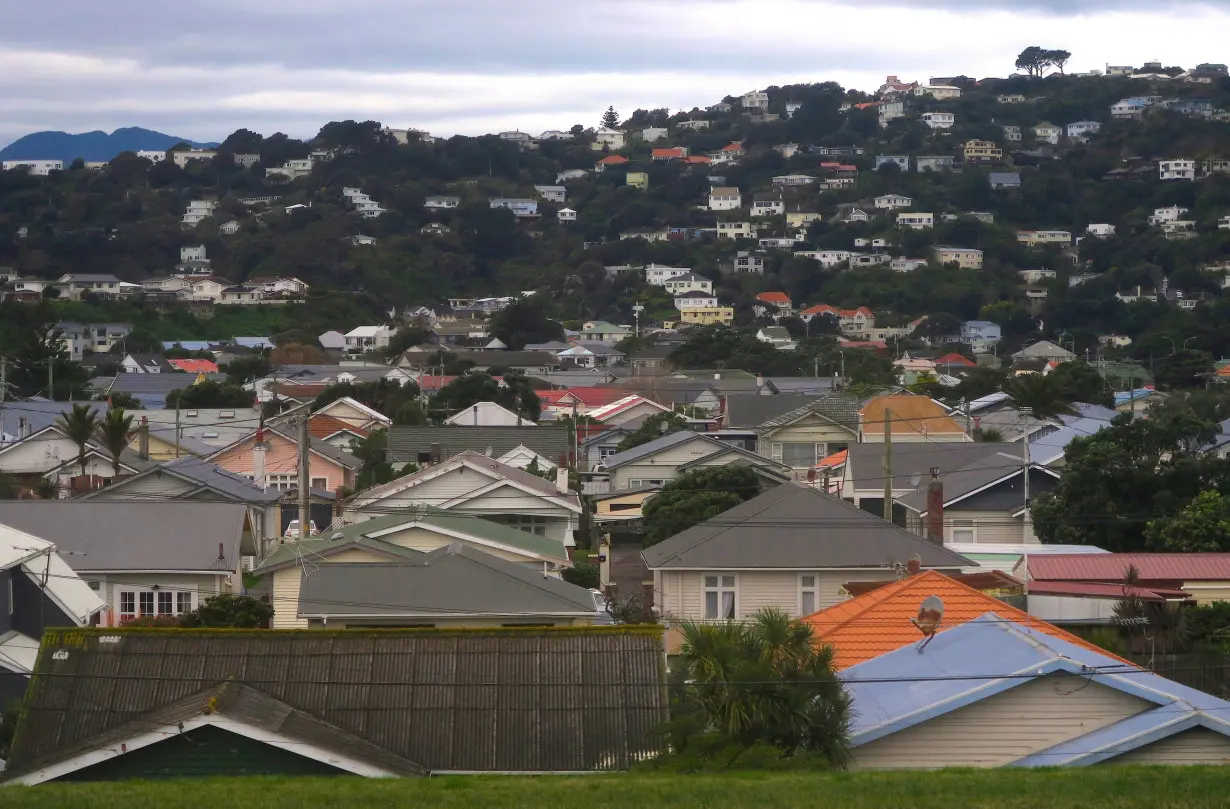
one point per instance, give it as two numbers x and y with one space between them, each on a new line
717 375
561 478
759 381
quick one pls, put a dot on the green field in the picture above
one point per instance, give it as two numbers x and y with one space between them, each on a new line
1089 788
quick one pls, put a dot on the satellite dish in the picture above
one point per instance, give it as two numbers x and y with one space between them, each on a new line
915 479
930 615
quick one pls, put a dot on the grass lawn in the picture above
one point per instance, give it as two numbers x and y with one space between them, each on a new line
1087 788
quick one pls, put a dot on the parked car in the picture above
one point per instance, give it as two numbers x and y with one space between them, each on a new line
602 609
292 530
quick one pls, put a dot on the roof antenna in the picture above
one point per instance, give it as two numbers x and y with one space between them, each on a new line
930 615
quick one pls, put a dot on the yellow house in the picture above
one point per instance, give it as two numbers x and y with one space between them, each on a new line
982 151
966 257
801 219
722 315
638 179
162 446
622 505
804 437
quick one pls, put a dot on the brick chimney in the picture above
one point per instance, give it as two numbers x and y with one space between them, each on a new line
935 507
143 439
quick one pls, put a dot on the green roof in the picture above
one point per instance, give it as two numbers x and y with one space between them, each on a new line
293 551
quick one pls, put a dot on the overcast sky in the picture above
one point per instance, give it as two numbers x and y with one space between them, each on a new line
201 69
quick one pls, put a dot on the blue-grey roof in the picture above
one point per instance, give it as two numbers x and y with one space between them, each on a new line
188 345
252 342
228 484
39 415
988 656
656 445
1125 396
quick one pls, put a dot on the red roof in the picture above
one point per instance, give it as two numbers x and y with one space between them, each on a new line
773 297
588 397
846 167
432 382
195 366
732 147
672 152
609 159
830 165
955 359
323 425
1093 590
1093 567
696 158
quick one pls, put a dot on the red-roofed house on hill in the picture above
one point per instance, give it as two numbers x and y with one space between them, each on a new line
779 301
584 400
672 153
194 366
610 160
854 323
728 153
956 359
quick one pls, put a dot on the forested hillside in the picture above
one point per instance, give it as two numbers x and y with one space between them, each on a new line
125 218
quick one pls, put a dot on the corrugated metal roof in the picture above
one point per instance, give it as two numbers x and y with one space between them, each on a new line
452 580
228 484
474 700
130 536
1180 567
747 410
406 442
658 445
797 528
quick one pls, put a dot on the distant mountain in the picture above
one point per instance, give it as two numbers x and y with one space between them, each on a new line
90 146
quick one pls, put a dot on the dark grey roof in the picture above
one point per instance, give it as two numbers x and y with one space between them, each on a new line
1006 463
865 462
749 410
798 528
39 415
149 383
839 408
447 700
506 359
453 580
227 484
655 352
146 360
130 536
657 445
406 442
814 385
1004 178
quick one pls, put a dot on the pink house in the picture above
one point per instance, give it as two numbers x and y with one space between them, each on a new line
328 467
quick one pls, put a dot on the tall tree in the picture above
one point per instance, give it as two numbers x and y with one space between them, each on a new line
759 682
655 426
525 320
1043 395
113 432
696 496
1058 58
80 425
610 118
1033 60
1202 526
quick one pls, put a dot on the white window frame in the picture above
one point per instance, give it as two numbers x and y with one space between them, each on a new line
319 483
153 596
282 483
723 583
964 525
806 589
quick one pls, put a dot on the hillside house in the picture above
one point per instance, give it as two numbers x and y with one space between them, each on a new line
605 138
658 275
1181 169
892 202
768 205
1082 130
736 230
1048 133
746 261
688 282
901 161
934 162
982 151
725 198
939 120
966 257
916 221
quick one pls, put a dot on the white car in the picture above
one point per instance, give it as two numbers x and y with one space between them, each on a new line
602 609
292 530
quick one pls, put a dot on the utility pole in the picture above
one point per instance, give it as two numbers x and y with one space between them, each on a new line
177 429
1026 412
888 464
304 479
51 385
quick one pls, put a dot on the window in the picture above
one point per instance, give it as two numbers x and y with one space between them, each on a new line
128 605
282 483
636 484
809 593
798 456
964 531
141 603
146 602
719 597
320 483
606 452
183 602
165 599
523 522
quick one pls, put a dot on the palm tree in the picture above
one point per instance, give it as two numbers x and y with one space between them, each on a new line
113 432
761 682
1044 396
79 425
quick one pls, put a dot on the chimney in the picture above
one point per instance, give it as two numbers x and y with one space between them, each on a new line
561 478
717 375
935 507
258 459
914 566
976 433
143 439
759 381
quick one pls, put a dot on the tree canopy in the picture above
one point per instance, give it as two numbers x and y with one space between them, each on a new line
695 496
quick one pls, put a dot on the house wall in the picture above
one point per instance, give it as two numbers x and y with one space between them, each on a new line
988 526
638 411
1029 718
201 585
1072 609
1206 592
160 450
424 539
39 455
812 429
662 465
348 413
282 458
286 586
560 522
622 506
1195 746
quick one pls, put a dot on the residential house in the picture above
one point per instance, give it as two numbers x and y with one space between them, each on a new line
983 151
522 208
35 598
892 202
136 566
1171 214
730 566
629 411
730 153
609 161
803 432
362 339
276 461
939 120
264 713
1011 98
778 302
934 162
725 198
1138 400
1204 577
755 100
72 286
1101 231
566 215
934 703
606 138
134 363
1044 350
36 454
593 354
1032 238
695 299
746 261
736 230
910 418
637 179
1182 169
966 257
768 205
600 331
719 315
424 445
802 219
776 336
693 125
1012 134
900 161
35 168
1082 130
183 156
1130 108
653 133
1000 180
470 484
488 414
788 180
438 202
1035 276
668 154
916 221
663 459
688 282
1048 132
658 275
938 91
853 322
572 174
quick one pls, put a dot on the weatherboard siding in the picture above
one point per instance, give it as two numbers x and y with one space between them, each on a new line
287 580
438 490
663 465
1208 591
282 458
161 486
990 527
682 599
995 731
640 410
1195 746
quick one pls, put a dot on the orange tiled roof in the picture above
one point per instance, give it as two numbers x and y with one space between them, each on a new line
879 622
192 366
696 159
324 425
732 147
609 159
911 414
773 297
673 151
